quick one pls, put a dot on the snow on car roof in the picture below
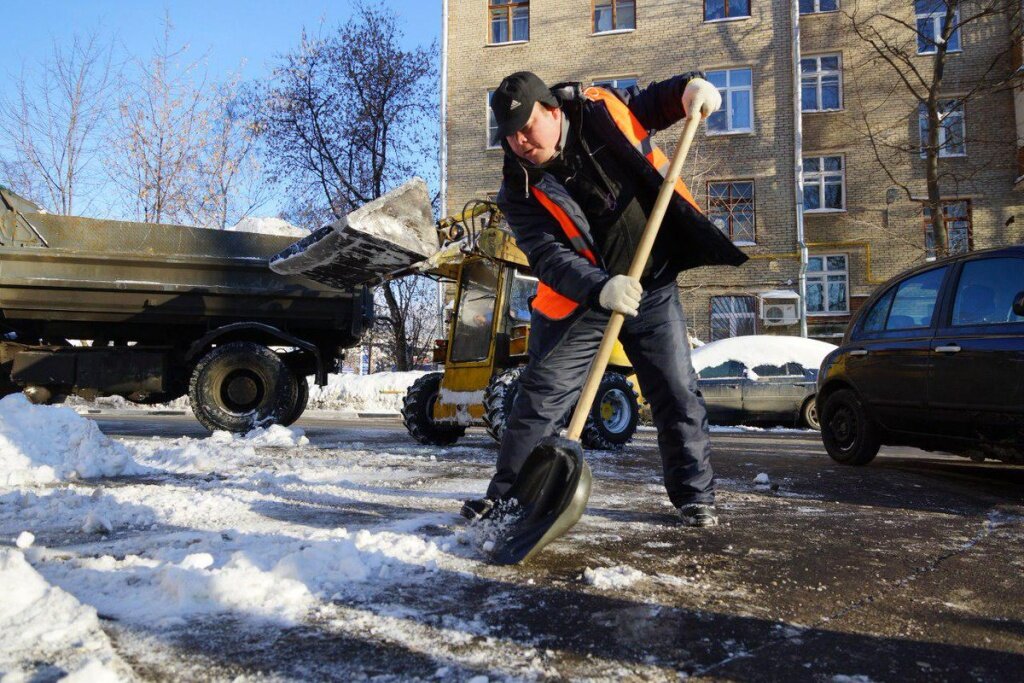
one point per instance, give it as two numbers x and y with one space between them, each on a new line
761 349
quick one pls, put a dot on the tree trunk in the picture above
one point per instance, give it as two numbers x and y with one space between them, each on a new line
398 329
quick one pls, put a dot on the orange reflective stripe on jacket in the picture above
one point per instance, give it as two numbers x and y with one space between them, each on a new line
637 135
548 301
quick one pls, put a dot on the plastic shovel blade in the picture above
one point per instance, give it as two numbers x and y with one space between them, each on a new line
545 501
386 235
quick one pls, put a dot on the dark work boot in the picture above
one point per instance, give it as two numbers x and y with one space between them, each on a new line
476 508
699 514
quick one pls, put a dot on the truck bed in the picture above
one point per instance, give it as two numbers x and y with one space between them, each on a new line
61 275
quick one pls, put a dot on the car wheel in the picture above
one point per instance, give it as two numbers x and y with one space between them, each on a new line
809 414
848 432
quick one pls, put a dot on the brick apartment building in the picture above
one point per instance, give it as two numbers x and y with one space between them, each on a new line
860 227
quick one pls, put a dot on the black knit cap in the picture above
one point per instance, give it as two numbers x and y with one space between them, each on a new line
512 102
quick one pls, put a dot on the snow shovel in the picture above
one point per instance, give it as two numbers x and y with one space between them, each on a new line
551 492
386 235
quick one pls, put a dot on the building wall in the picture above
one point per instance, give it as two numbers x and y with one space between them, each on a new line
881 230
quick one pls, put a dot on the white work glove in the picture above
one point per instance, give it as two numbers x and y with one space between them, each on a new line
699 95
621 294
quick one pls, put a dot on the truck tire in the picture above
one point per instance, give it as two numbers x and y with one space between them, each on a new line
614 415
417 413
847 430
498 399
239 386
301 400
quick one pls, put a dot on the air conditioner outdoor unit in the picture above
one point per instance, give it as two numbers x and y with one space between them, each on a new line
780 308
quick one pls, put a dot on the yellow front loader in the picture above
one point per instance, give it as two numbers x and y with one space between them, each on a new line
486 348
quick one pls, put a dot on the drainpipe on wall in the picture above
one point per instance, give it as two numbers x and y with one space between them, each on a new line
443 160
798 165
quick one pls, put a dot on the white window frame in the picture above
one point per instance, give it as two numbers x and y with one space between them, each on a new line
615 82
733 317
727 100
492 122
822 277
818 178
944 111
936 19
615 12
817 8
818 75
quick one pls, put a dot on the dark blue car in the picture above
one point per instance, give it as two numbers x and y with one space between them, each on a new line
935 359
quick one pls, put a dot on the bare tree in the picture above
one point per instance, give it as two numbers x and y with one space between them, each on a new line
52 123
228 182
160 131
415 300
347 117
912 55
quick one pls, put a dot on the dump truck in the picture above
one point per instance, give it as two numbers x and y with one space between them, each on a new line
150 312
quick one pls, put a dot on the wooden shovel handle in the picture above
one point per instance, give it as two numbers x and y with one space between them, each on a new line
636 269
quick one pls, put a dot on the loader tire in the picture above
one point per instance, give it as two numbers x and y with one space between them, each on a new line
614 415
418 411
498 399
239 386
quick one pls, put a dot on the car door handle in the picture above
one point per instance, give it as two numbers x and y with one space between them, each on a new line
732 386
951 348
858 352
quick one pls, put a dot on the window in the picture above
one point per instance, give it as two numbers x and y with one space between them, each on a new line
985 293
614 15
727 370
725 9
930 15
524 288
737 112
731 208
493 139
957 218
821 83
824 178
785 370
951 129
732 316
827 284
914 302
472 338
622 83
816 6
510 21
874 321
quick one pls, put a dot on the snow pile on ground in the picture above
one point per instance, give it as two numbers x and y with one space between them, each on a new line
272 577
762 349
44 444
274 436
381 392
268 225
219 452
41 623
611 578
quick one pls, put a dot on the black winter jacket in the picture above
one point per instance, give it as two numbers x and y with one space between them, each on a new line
686 235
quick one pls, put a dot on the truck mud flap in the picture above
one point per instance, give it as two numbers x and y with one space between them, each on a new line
387 235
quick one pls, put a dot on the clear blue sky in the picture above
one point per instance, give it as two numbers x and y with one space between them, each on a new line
227 31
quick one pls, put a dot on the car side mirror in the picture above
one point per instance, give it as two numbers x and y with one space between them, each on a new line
1018 304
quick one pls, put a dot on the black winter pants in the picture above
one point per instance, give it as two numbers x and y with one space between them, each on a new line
656 343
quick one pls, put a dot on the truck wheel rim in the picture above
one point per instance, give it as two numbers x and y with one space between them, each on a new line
241 391
615 412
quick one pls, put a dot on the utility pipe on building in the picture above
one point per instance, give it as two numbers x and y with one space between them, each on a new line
443 157
798 164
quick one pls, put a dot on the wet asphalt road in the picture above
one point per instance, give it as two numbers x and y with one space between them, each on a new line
909 569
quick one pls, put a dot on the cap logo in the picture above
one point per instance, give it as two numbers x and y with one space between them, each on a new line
515 105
